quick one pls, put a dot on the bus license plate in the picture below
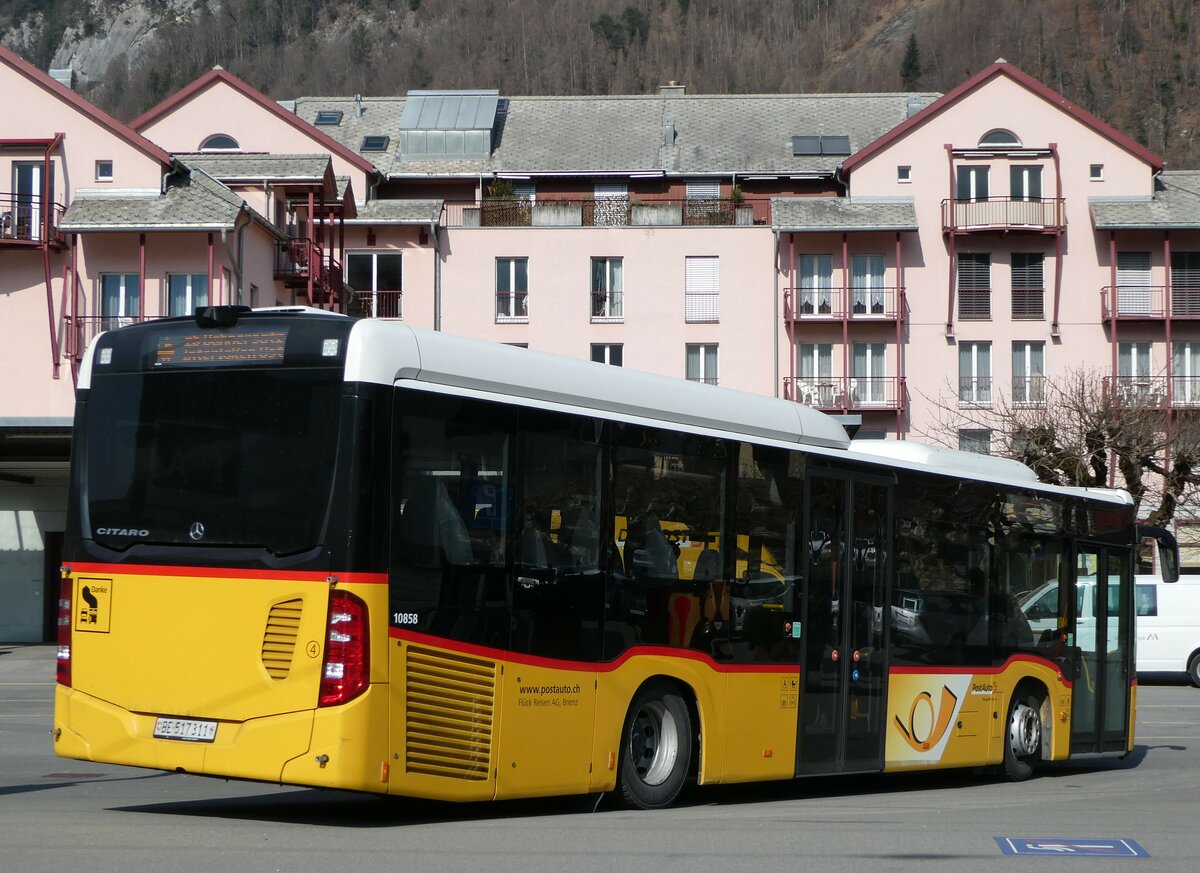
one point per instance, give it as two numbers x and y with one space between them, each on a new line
185 729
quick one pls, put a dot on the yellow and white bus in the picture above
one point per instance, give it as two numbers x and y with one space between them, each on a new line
313 550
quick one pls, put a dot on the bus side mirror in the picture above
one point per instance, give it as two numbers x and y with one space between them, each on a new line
1168 549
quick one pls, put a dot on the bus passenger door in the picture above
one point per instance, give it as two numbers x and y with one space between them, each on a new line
843 660
1102 654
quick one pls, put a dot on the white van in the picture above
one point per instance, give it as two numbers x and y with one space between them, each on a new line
1168 620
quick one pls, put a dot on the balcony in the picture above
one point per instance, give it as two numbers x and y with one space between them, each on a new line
975 391
379 304
1149 302
847 393
883 303
1146 392
1029 392
298 261
607 212
22 222
80 330
1047 215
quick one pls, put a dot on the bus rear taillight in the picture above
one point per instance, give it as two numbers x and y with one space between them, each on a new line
63 671
347 666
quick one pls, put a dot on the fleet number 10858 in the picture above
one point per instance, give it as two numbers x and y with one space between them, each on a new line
404 618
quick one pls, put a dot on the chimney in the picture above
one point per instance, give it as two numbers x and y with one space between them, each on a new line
64 76
914 104
668 132
672 89
358 107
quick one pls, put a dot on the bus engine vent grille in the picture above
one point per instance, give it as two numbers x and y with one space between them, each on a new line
279 639
450 702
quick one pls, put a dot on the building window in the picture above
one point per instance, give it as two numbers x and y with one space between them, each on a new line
1025 182
999 138
867 296
1096 172
1029 373
1185 283
701 289
816 285
329 117
1185 374
607 289
186 292
376 276
1134 294
1134 368
104 171
120 299
219 142
977 441
869 386
608 353
815 385
1028 286
702 363
904 175
974 272
512 289
375 143
971 182
975 374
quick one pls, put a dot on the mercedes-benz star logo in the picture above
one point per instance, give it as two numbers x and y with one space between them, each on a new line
197 531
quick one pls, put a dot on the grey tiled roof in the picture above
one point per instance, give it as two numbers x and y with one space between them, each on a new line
1176 204
254 167
714 134
836 213
399 212
197 202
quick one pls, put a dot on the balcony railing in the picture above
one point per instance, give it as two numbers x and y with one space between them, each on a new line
883 303
299 259
975 391
1004 213
846 393
1029 391
1185 392
607 212
380 304
23 221
1149 302
1140 391
1029 304
607 305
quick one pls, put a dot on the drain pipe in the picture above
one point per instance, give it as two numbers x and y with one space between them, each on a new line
437 276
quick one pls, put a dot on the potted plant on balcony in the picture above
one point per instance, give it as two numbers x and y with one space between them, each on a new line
502 208
743 212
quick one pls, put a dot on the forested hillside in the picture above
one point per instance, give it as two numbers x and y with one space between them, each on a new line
1132 62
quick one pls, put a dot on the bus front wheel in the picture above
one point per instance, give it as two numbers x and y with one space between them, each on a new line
656 747
1023 746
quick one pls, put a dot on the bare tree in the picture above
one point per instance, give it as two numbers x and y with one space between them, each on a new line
1084 430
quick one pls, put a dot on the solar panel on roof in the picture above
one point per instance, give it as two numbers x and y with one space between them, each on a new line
838 144
806 145
835 145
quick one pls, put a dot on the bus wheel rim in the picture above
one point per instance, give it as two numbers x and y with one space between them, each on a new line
1025 730
654 743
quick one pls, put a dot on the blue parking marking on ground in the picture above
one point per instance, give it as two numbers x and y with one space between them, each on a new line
1052 846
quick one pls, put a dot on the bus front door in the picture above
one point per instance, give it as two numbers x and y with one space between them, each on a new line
1101 652
844 663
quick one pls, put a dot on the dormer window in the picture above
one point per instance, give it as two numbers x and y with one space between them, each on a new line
219 142
999 139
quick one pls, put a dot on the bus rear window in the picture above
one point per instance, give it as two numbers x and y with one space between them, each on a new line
229 458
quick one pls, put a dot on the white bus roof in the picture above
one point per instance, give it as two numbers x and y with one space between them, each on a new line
387 352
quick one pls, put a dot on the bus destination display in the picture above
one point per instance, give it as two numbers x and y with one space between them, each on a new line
206 347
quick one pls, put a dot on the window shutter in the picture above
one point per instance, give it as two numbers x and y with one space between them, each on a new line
702 289
703 189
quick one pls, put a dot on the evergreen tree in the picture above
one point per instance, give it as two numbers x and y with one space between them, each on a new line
910 67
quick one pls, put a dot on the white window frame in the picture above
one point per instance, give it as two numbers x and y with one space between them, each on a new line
702 289
1028 373
975 374
816 294
867 295
607 303
700 362
606 353
1185 373
517 310
815 384
868 373
904 174
374 291
189 293
1096 173
104 170
129 306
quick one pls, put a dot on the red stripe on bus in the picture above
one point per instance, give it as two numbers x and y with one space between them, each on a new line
589 666
228 573
982 671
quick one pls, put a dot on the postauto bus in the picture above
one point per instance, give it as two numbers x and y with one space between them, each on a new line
314 550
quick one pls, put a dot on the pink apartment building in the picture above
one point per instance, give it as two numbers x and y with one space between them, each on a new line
872 255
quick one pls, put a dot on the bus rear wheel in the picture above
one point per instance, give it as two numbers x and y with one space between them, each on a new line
1023 745
1194 670
656 747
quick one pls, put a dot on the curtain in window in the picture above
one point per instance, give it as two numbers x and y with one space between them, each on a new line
816 282
120 299
866 283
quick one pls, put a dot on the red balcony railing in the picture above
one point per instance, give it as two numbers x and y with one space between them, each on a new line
1004 213
607 212
884 303
1149 302
22 220
846 393
299 259
79 330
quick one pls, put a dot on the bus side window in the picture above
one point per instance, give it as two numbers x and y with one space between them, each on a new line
1146 597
